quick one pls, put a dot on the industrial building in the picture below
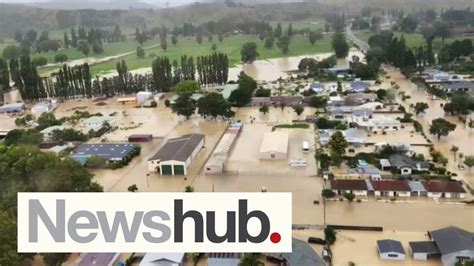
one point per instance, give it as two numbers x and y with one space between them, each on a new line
12 108
176 155
274 146
217 162
111 152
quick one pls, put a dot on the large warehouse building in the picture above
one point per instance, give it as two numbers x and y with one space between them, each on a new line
176 155
274 146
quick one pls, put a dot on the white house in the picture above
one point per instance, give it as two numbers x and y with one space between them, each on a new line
391 188
274 146
176 155
380 125
96 123
445 189
390 250
48 132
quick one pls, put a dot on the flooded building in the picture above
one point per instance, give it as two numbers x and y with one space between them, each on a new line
10 108
357 187
391 188
274 146
176 155
462 86
217 162
48 132
455 244
302 254
444 189
103 259
389 249
405 165
111 152
96 123
154 259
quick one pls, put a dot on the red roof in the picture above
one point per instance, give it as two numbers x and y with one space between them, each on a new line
348 184
443 186
391 185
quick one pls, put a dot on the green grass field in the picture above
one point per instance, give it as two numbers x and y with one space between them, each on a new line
231 46
413 39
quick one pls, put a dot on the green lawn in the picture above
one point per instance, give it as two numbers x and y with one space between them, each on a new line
413 39
231 46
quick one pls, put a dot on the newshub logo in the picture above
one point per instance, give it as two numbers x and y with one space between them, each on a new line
151 222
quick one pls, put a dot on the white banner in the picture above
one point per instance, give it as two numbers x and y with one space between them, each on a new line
154 222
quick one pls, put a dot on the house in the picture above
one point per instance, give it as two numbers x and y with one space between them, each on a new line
48 132
360 98
389 249
260 101
302 255
391 188
380 125
332 87
424 250
353 136
417 189
58 149
317 88
165 259
455 244
351 114
274 146
140 138
111 152
93 259
437 75
357 187
286 100
96 123
10 108
444 189
224 259
359 86
406 165
176 155
339 70
366 172
462 86
335 101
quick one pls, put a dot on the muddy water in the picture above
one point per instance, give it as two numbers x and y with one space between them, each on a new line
273 69
266 70
462 137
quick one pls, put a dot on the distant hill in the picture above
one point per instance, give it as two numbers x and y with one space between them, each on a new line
88 4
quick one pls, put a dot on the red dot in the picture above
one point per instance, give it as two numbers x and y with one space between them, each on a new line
275 237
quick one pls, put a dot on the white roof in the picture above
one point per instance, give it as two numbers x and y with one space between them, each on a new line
98 120
50 130
153 259
276 141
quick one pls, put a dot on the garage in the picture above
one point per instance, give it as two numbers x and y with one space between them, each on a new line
179 169
166 170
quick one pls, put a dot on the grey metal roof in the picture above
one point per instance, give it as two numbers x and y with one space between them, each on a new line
453 239
179 149
97 259
423 247
399 160
416 186
105 150
468 85
388 245
302 255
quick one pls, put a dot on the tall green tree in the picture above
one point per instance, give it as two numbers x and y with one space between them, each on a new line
184 105
284 44
338 143
249 53
340 45
441 127
213 104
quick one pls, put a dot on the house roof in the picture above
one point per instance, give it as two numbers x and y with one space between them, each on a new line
97 120
50 130
385 163
109 151
423 247
359 85
400 160
153 259
416 186
179 149
443 186
459 85
366 170
302 255
389 245
391 185
275 141
453 239
348 184
89 259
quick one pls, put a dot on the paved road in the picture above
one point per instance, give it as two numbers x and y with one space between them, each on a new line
363 46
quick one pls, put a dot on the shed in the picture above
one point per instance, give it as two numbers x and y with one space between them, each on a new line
176 155
223 259
385 164
390 250
215 165
274 146
12 108
424 250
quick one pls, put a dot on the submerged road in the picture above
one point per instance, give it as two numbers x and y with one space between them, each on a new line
363 46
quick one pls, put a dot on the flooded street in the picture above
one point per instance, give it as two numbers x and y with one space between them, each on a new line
462 137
